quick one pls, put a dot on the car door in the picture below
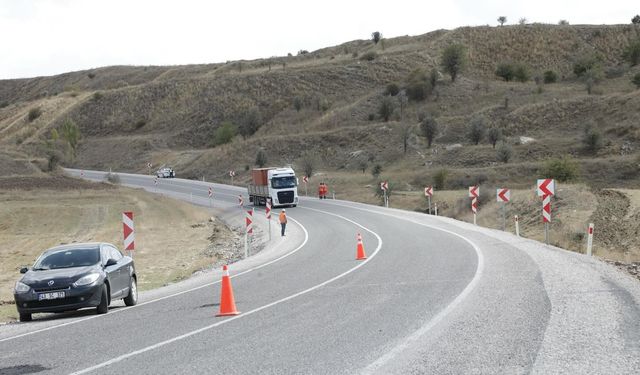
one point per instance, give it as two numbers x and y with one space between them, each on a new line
111 271
121 275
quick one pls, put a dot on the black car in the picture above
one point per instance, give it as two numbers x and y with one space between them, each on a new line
71 277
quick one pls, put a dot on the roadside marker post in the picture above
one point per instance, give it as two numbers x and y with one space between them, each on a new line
248 230
436 208
210 193
305 179
268 214
590 239
503 196
428 192
128 231
232 174
517 225
546 187
240 200
384 186
149 167
474 193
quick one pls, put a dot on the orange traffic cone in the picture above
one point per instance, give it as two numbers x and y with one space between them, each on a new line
360 255
227 302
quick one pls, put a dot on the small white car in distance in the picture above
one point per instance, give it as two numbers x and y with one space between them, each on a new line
165 173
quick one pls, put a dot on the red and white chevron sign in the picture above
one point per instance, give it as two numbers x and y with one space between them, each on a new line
546 209
155 180
305 179
249 221
384 186
240 200
268 209
474 192
127 226
210 192
428 191
503 195
474 205
232 173
546 186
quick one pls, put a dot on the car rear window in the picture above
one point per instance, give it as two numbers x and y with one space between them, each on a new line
68 258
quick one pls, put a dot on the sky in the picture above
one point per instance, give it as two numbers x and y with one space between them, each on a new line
47 37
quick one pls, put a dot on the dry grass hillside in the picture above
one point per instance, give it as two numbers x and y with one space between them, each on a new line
326 104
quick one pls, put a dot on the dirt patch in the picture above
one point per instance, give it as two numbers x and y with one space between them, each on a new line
617 225
49 182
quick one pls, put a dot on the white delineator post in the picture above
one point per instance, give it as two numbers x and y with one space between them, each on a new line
232 174
248 231
517 226
435 206
268 214
590 239
210 193
128 231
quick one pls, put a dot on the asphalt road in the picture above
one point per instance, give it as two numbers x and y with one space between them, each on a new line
433 296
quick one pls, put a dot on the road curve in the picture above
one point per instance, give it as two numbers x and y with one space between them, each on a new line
434 296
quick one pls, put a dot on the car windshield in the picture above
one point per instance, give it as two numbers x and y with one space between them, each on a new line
283 182
68 258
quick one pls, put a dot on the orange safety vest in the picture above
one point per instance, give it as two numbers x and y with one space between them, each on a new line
283 218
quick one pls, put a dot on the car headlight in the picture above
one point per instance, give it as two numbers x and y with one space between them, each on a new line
88 279
22 287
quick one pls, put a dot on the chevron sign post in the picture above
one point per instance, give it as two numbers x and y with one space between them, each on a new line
248 219
428 192
474 193
503 196
240 200
305 179
546 188
384 186
129 235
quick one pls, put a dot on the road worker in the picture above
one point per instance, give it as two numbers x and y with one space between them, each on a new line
283 220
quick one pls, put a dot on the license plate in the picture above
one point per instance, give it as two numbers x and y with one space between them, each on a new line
52 295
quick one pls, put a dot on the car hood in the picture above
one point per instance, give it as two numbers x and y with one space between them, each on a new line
65 275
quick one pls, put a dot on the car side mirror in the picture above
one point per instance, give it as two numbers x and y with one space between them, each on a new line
24 270
111 262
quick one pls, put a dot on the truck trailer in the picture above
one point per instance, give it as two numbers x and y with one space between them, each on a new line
278 184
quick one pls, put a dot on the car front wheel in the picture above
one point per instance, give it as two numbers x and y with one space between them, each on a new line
103 307
132 298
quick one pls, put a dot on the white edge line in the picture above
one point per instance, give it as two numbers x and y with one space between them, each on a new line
306 239
251 312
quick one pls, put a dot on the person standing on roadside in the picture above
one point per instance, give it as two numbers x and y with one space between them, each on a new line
283 220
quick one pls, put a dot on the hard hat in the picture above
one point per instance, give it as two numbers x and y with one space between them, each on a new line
283 210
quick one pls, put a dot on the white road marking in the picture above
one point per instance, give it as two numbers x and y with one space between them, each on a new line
306 239
251 312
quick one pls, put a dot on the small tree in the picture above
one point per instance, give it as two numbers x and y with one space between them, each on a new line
592 77
419 85
592 139
261 158
583 64
392 89
453 60
494 135
563 23
405 134
33 114
522 21
224 134
502 20
297 103
308 161
505 71
429 127
71 134
363 163
250 122
562 169
521 73
636 20
376 170
376 36
504 152
386 108
440 178
636 80
476 130
550 76
632 53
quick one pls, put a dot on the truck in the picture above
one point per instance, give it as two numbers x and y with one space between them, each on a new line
278 184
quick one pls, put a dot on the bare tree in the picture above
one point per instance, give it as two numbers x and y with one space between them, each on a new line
429 127
308 162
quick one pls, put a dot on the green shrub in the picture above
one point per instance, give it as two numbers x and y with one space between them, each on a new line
440 178
297 103
494 135
583 64
386 108
510 71
592 139
224 134
562 169
371 117
418 85
429 127
140 123
392 89
521 73
250 122
632 52
636 20
369 56
33 114
91 75
504 152
97 96
376 170
376 36
636 80
477 129
4 104
505 71
261 158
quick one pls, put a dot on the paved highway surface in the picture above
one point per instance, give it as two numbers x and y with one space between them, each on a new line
434 296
